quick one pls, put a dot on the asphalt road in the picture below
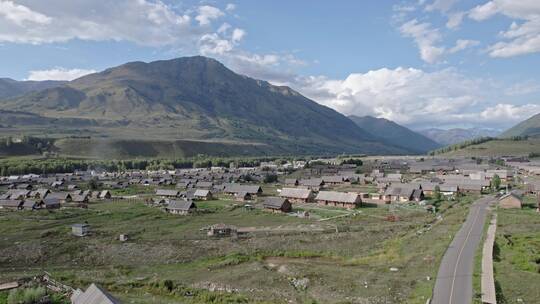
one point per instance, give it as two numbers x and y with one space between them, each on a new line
453 284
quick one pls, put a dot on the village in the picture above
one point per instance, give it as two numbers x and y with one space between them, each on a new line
298 197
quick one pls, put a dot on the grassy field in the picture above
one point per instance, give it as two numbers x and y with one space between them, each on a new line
498 148
118 149
170 259
517 256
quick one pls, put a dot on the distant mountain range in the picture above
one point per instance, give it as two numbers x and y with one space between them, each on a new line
12 88
395 134
197 99
189 98
456 135
529 127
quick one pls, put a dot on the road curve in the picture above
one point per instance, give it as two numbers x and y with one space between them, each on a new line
453 284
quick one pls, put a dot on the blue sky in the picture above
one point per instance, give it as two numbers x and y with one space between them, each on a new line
422 63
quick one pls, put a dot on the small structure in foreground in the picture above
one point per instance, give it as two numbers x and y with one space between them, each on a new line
222 230
80 229
93 295
510 201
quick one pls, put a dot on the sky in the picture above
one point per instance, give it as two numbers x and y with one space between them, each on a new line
421 63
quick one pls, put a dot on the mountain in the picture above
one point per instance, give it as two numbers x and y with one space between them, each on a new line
529 127
396 134
193 98
457 135
12 88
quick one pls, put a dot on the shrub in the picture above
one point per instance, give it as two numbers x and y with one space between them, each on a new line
26 296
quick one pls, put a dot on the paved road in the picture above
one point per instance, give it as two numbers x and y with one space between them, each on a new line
454 280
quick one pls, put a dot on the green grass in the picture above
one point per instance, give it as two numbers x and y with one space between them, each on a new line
259 266
496 148
517 256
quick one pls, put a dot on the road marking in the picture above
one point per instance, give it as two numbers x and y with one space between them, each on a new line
459 255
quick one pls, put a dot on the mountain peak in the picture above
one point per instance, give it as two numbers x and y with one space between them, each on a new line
199 98
394 133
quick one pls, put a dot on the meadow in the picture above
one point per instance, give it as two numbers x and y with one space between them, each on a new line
169 258
517 256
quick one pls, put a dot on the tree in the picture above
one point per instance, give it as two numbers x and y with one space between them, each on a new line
270 178
93 184
353 161
437 196
495 182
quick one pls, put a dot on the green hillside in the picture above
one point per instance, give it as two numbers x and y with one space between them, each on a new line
529 127
190 98
497 147
12 88
395 134
129 149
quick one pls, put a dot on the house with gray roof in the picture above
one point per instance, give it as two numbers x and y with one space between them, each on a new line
297 195
313 183
93 295
234 189
347 200
202 194
167 193
277 204
182 207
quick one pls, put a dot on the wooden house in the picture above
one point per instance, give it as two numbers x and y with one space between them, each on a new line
167 193
297 195
63 197
242 196
510 201
11 204
202 194
93 295
291 182
181 207
234 189
314 184
338 199
277 204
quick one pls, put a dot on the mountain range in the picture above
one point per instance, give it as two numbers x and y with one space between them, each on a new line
189 98
457 135
394 133
529 127
12 88
197 101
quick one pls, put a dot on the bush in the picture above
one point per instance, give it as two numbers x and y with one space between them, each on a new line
270 178
26 296
352 161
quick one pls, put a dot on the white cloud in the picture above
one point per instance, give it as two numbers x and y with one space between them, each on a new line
417 98
454 20
230 7
462 44
523 88
58 74
208 13
484 11
425 38
213 44
145 22
502 112
20 14
520 38
238 34
440 5
224 28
